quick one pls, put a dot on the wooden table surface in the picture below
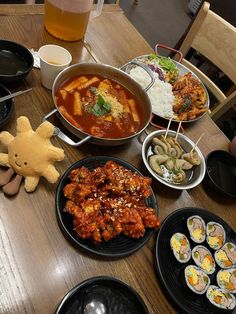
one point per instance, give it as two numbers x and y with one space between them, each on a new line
38 266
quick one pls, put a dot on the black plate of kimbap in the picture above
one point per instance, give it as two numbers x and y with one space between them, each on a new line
195 257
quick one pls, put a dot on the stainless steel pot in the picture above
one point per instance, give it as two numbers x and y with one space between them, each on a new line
109 72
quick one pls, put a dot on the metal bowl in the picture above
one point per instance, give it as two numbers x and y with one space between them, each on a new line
194 176
16 61
182 70
109 72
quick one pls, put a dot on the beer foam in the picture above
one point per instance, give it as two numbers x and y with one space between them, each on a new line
73 6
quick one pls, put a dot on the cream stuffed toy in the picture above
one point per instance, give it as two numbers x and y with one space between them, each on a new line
30 155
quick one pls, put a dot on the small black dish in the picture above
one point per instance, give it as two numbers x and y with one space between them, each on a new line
6 107
117 247
221 172
16 61
118 297
171 273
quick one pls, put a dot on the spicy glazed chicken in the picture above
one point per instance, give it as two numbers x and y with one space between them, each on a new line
109 201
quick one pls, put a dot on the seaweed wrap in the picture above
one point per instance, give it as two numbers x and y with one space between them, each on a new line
204 259
180 247
226 279
215 235
197 228
226 256
196 279
221 298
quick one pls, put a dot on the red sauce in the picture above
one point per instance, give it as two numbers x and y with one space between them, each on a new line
100 107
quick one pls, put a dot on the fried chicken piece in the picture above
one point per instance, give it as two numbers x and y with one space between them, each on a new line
80 175
149 217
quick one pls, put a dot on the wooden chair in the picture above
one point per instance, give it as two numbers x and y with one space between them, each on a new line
118 2
215 39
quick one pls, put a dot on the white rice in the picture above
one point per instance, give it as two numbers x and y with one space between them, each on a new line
160 94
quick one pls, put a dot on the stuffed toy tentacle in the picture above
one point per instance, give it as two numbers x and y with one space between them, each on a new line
4 160
55 153
23 125
31 183
45 130
51 174
6 138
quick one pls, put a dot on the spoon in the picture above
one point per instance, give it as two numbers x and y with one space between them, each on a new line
95 307
95 303
14 94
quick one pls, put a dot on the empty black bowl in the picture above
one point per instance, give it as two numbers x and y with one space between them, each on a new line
6 107
16 61
221 172
116 296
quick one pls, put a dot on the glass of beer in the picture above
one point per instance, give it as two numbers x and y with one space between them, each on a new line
68 19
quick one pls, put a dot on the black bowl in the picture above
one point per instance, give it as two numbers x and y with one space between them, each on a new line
221 172
117 295
6 107
16 61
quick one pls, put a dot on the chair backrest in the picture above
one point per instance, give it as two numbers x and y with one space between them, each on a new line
215 39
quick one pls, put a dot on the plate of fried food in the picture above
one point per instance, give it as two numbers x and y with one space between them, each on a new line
106 206
177 93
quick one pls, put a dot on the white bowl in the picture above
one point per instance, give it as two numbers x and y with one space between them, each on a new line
194 176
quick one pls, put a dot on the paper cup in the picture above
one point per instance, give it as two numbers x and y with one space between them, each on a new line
53 59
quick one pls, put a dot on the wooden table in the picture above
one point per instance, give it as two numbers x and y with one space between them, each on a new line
38 266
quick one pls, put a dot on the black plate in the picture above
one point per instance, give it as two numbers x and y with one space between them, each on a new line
16 61
117 247
6 107
171 272
117 295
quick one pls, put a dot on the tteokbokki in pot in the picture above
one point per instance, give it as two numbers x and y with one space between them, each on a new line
99 106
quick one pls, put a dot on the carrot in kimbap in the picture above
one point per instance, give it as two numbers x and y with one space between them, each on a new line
180 247
226 279
221 298
197 228
196 279
203 258
215 235
226 256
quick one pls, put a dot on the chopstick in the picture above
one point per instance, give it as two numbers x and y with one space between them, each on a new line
14 94
167 130
195 145
177 133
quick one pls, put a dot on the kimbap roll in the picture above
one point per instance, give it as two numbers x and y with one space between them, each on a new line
215 235
196 279
226 256
203 258
180 247
221 298
197 228
226 279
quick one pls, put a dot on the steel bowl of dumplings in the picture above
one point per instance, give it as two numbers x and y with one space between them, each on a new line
174 161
